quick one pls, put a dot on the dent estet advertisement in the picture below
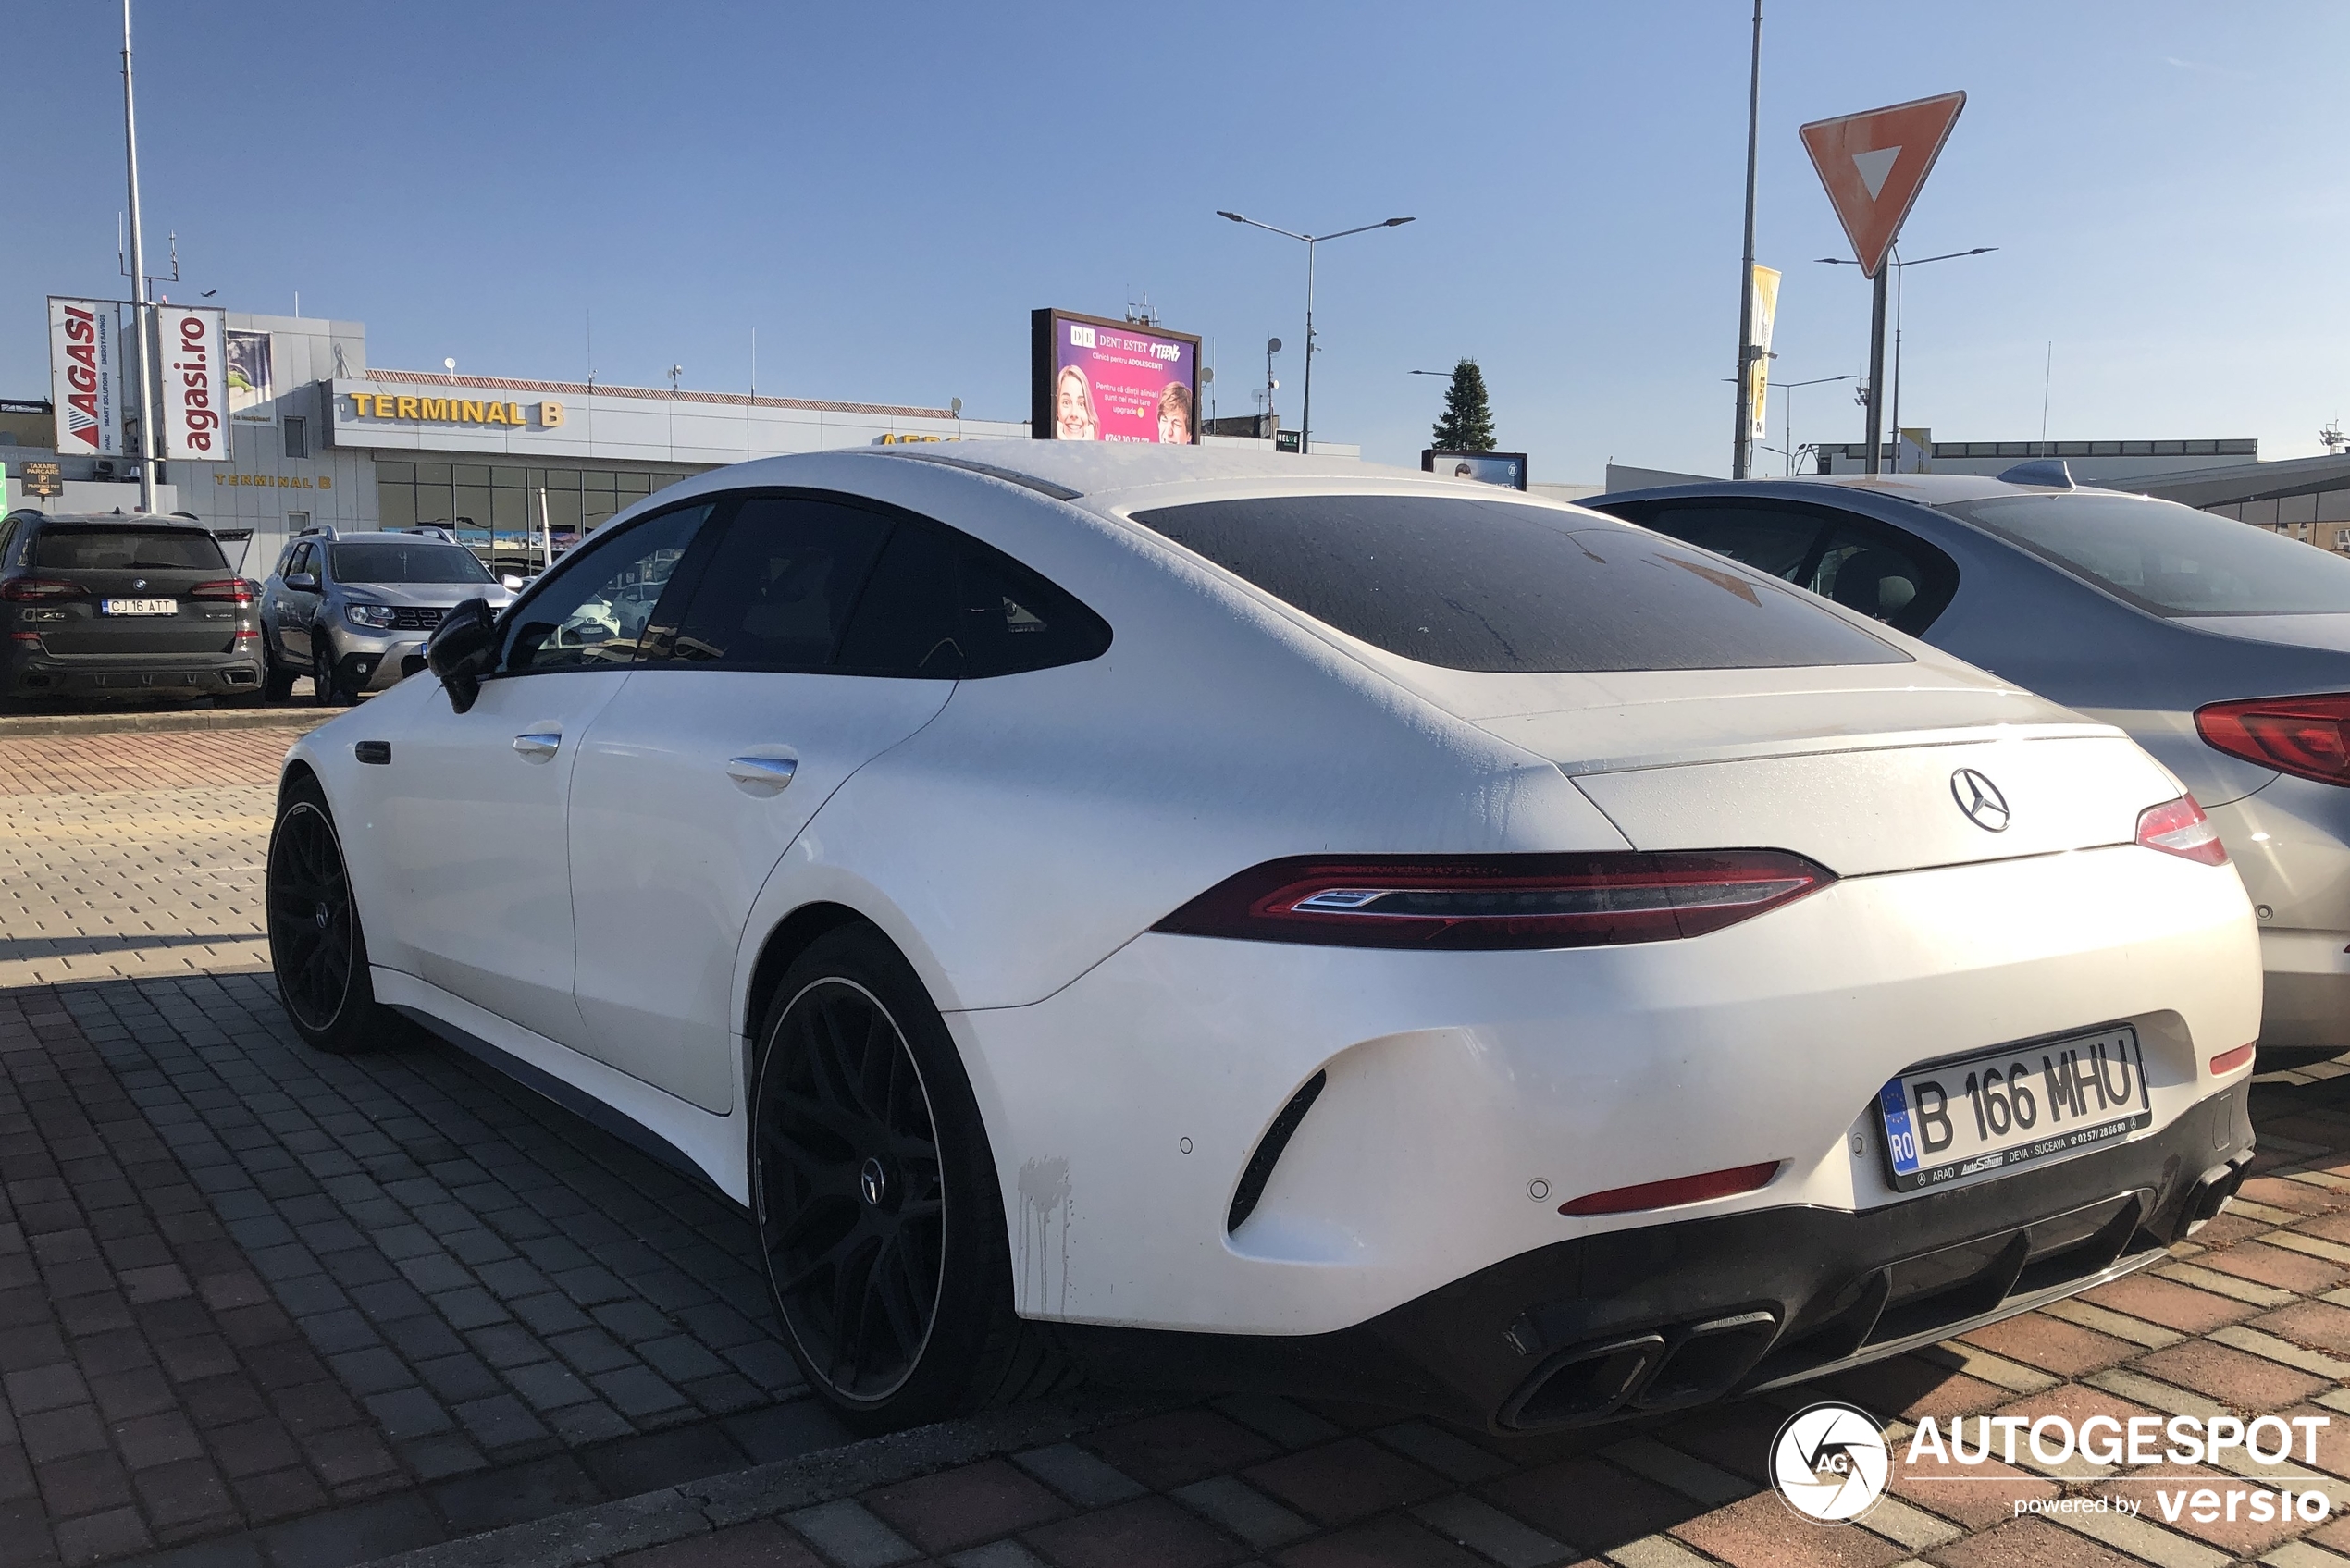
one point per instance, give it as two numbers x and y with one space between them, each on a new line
1099 380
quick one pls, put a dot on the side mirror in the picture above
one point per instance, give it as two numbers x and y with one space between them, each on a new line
302 582
461 650
511 582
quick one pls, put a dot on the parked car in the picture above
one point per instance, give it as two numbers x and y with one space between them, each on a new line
119 606
2223 649
347 608
1220 918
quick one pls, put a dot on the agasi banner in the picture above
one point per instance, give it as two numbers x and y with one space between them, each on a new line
1758 370
85 376
192 417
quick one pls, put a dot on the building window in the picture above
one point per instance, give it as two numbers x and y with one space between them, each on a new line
296 522
297 435
495 506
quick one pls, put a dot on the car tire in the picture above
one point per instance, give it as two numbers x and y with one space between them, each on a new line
317 950
880 1220
277 681
325 689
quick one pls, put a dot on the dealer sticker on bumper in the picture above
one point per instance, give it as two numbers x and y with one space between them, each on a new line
2011 1107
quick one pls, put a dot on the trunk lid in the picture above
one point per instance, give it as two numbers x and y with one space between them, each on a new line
1864 769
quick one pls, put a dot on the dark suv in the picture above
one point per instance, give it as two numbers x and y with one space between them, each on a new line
121 606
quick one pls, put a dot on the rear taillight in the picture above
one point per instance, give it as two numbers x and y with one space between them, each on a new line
233 590
38 589
1497 901
2307 736
2178 827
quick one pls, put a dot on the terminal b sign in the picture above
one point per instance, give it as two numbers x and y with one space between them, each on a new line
85 376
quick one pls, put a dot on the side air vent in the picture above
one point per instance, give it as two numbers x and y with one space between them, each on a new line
1268 1152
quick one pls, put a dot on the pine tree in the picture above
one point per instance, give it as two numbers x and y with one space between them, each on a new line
1467 425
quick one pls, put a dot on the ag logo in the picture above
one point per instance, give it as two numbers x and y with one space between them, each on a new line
1829 1463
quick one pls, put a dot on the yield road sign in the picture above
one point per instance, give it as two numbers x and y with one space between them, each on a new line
1874 164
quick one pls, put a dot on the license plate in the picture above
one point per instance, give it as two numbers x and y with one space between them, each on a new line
2011 1107
138 607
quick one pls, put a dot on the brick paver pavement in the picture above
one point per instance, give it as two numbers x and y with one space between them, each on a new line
262 1306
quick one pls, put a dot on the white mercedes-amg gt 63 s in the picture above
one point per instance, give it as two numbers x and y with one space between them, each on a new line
1266 921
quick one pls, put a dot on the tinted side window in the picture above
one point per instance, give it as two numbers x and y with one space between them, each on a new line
300 559
591 611
1862 564
942 605
777 590
1776 542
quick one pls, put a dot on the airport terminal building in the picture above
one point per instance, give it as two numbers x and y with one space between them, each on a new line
326 439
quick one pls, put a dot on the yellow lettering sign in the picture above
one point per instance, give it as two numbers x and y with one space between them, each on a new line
550 414
470 413
406 407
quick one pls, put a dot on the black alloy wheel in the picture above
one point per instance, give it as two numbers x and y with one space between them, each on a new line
855 1217
322 674
317 948
879 1214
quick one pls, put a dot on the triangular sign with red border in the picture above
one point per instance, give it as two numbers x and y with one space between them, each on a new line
1874 164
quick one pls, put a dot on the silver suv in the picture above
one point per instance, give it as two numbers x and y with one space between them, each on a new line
345 607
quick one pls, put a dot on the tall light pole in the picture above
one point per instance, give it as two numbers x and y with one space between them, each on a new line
139 314
1305 418
1877 397
1741 456
1788 387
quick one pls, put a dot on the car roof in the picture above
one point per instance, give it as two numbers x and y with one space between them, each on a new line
147 520
1922 489
1088 468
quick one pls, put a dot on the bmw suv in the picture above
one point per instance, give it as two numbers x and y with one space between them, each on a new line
121 606
347 608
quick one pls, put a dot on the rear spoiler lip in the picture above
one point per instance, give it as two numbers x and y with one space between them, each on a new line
1818 745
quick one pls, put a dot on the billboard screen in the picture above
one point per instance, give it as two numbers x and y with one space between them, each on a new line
195 384
85 381
1485 467
1093 379
249 384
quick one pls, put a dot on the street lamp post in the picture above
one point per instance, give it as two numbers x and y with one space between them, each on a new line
1305 417
139 314
1876 363
1788 387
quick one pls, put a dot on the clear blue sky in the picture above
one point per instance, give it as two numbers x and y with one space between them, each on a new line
885 191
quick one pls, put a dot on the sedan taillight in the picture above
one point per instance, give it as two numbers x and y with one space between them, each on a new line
40 589
1491 902
2307 736
233 590
2178 827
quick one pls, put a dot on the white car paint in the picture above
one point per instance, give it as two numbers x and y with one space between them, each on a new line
1018 837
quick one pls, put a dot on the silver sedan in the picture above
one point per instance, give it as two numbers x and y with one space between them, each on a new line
2222 649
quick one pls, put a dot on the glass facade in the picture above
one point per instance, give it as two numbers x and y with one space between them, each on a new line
494 506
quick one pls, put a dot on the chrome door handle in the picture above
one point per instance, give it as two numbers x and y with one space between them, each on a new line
538 747
761 775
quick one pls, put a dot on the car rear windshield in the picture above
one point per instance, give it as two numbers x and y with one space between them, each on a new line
1496 585
2170 558
126 550
406 564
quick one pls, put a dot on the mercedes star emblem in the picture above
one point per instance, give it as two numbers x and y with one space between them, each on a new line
1980 800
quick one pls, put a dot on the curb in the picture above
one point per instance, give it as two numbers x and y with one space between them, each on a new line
696 1508
276 718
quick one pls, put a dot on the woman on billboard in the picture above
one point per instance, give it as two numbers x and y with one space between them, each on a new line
1175 415
1073 407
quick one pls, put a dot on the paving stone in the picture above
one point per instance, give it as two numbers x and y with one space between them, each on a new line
849 1536
965 1506
1342 1482
1078 1476
1150 1532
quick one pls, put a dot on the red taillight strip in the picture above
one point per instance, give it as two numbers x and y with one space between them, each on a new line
239 590
2227 1062
1497 901
22 589
2178 827
2307 736
1680 1190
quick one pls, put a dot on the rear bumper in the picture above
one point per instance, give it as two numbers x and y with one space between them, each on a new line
1666 1317
37 674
